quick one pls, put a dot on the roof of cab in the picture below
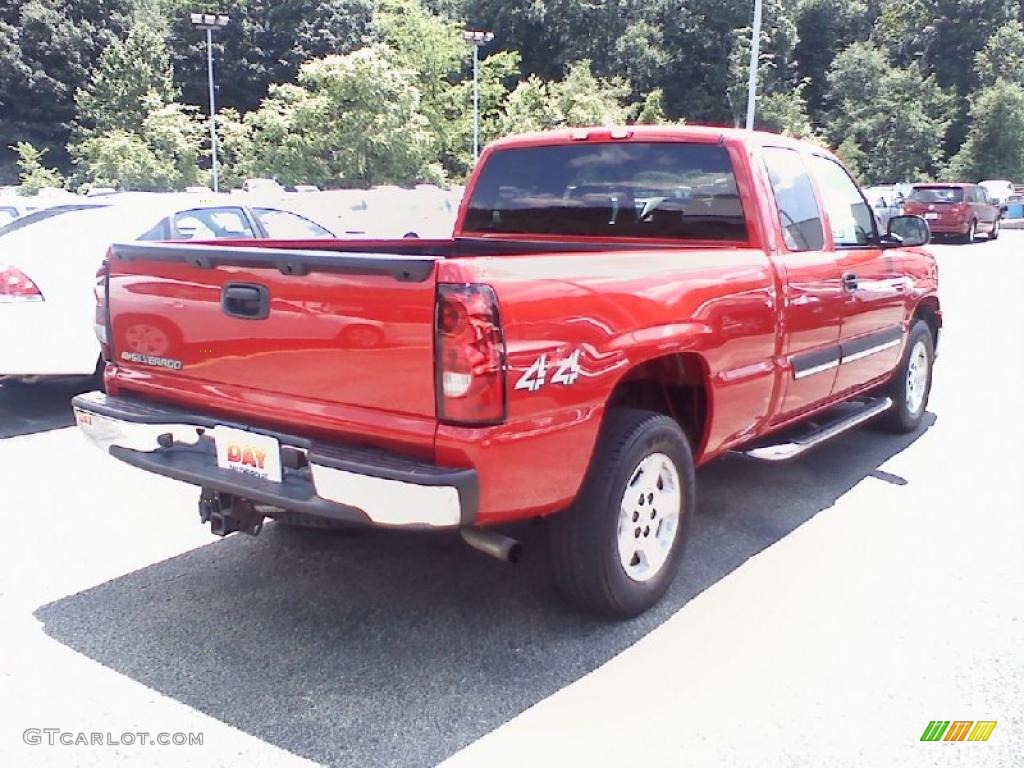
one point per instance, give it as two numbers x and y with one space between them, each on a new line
691 133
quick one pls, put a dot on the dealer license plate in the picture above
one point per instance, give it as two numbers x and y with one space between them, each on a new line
931 215
251 454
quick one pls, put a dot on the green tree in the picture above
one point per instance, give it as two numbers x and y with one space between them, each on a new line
497 71
234 148
431 49
579 99
128 107
651 111
351 120
823 29
897 144
528 108
942 37
853 158
1002 56
778 39
785 112
119 159
131 76
265 43
641 56
161 156
34 175
941 34
47 49
994 148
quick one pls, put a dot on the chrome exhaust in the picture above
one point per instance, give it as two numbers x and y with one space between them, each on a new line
493 543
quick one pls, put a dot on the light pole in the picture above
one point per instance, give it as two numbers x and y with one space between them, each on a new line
210 22
476 39
755 54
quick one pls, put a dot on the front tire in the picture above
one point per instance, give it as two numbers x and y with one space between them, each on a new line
616 550
994 234
912 384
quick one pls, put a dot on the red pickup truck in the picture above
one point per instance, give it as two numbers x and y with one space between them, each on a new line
616 307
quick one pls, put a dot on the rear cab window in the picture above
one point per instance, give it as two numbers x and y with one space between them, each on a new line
937 194
654 190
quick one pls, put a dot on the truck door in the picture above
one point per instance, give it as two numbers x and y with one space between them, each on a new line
873 284
812 298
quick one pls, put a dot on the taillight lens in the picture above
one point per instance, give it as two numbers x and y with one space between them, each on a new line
469 356
16 286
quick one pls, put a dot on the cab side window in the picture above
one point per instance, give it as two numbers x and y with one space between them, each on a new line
850 217
799 215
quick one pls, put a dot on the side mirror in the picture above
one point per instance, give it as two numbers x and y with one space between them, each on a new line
906 232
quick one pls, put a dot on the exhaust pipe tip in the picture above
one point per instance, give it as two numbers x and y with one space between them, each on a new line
492 543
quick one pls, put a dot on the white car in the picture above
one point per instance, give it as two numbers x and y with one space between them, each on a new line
426 211
12 208
999 190
48 267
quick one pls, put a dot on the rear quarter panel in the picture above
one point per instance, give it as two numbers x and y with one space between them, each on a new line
617 309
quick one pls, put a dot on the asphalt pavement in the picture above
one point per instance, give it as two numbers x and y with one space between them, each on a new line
827 608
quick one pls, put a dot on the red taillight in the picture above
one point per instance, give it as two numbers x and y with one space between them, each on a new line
469 355
16 286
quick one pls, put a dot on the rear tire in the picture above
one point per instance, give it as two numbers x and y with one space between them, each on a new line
972 232
616 550
912 384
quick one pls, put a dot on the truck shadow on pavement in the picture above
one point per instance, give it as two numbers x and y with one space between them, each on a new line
39 407
375 648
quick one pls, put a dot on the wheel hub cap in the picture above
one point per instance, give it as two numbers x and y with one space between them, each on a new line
649 517
917 377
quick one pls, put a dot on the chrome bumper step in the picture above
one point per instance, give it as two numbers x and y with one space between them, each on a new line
816 434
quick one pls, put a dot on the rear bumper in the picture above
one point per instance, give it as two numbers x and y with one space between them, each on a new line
335 481
948 227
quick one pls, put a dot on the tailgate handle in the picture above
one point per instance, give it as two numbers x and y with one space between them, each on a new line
245 300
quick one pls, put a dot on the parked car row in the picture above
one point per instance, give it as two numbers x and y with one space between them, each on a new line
961 210
49 260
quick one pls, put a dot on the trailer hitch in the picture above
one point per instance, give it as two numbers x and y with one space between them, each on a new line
227 513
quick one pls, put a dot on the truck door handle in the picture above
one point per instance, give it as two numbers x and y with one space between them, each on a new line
850 282
245 300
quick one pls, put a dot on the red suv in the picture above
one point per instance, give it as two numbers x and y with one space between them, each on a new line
955 209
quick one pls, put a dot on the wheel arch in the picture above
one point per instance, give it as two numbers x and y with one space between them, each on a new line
930 310
677 385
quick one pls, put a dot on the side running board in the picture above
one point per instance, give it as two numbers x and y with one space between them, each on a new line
817 434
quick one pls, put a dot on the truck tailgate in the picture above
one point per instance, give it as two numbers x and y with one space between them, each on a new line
314 328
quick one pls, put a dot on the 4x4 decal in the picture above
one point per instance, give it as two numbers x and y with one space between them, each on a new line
535 377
